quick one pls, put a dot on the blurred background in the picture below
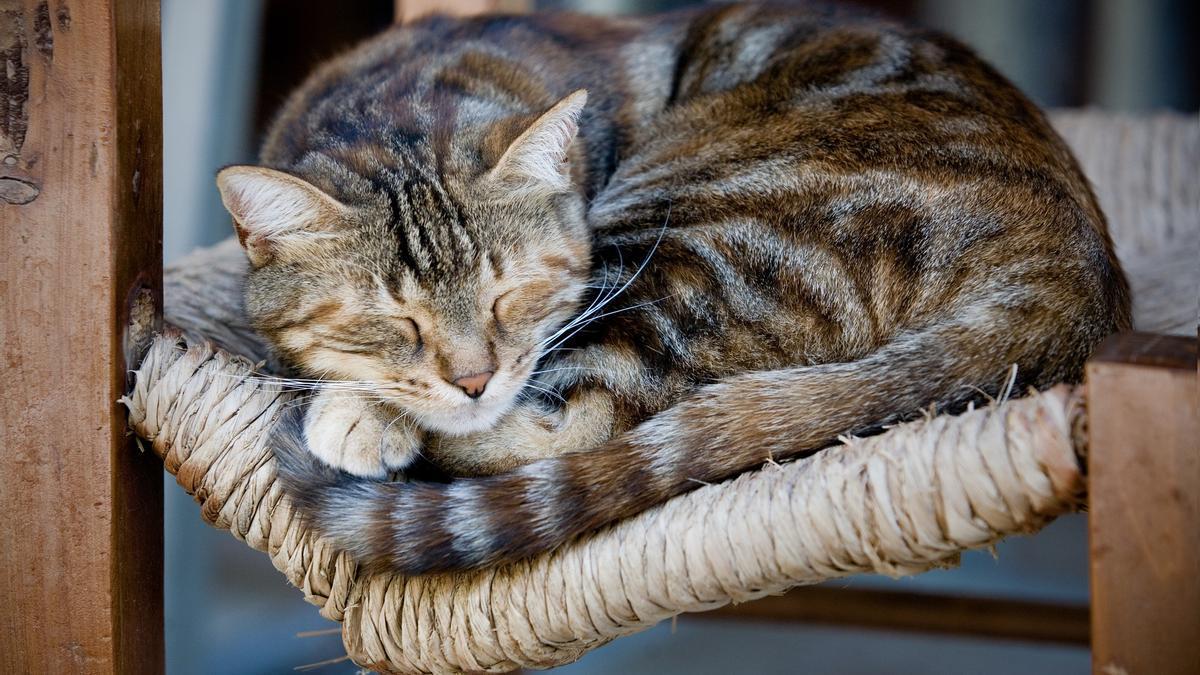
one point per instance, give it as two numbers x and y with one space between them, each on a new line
228 64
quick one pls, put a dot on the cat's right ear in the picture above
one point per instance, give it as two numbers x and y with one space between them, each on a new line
277 214
538 159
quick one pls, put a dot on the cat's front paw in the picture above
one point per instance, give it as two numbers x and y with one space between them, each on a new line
360 437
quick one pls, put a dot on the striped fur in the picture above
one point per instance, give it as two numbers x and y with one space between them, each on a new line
819 224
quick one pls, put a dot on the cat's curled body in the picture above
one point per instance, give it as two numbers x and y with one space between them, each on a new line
817 225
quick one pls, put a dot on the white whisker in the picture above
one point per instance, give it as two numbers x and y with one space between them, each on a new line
546 391
557 370
606 314
586 316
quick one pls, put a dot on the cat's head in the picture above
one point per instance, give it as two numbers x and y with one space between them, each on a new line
442 291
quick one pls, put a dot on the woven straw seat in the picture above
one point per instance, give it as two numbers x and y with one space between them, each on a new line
897 503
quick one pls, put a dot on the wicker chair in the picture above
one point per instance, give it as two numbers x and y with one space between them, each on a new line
898 503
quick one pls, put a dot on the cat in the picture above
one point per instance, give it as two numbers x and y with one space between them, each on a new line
586 264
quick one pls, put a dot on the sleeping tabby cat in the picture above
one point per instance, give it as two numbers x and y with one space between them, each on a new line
504 240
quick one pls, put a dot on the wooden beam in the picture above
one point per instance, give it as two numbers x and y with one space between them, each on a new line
80 252
919 612
410 10
1144 504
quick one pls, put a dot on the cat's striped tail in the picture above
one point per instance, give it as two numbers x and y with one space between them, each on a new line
725 428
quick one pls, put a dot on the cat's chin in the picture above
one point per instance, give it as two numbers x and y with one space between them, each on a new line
467 419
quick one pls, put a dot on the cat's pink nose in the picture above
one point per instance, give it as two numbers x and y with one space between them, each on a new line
473 385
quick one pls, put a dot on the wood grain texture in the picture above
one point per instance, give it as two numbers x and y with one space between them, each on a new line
1144 502
409 10
919 612
1148 349
82 524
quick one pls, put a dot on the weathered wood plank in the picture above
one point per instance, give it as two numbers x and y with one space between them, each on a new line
1144 504
80 242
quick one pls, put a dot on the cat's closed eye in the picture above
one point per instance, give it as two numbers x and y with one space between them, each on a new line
502 305
526 304
411 331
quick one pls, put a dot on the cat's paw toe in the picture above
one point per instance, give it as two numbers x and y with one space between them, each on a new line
401 445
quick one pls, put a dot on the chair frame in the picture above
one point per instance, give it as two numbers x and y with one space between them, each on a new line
80 255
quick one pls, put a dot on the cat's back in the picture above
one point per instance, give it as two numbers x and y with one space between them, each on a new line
840 156
440 73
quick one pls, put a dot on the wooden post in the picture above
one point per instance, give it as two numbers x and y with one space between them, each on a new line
80 254
409 10
1144 504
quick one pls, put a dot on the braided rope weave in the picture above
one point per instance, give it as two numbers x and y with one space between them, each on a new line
897 503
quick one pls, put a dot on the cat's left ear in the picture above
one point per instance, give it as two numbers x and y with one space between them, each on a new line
538 159
277 215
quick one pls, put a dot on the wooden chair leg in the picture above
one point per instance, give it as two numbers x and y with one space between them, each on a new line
80 252
1144 503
